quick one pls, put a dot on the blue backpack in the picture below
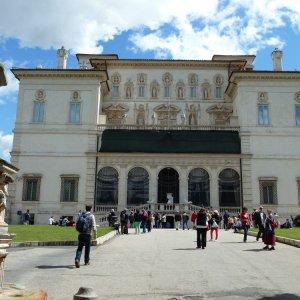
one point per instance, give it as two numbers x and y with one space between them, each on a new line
83 223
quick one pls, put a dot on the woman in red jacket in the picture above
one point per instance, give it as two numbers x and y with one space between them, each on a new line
245 219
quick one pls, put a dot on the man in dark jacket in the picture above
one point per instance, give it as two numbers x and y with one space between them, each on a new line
259 218
177 220
201 225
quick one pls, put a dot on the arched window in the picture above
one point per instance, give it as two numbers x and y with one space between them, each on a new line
199 187
137 186
107 186
229 188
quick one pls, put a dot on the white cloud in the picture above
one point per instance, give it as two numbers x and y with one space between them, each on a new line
8 93
5 145
198 28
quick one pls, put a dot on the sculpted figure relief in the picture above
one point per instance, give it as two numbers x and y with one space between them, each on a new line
140 118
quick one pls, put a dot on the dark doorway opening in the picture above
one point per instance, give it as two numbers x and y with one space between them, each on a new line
170 222
168 183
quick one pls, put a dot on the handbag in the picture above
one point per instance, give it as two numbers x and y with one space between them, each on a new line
214 224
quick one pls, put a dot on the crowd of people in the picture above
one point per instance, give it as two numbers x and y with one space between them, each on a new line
205 221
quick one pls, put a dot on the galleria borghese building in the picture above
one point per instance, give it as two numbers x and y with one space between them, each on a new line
165 134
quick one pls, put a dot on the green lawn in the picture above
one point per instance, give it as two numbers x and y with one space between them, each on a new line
293 233
26 233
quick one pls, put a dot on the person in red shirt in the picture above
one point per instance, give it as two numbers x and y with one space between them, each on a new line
245 219
193 218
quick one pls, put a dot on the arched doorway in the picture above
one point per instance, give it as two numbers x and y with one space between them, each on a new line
168 184
107 186
229 188
199 187
137 186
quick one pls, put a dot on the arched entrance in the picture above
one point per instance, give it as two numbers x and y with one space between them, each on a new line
229 188
199 187
168 186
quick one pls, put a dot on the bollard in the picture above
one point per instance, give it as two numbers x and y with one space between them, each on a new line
85 293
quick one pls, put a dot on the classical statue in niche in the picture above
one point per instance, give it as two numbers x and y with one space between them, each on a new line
183 118
140 117
180 92
193 115
205 92
154 92
128 92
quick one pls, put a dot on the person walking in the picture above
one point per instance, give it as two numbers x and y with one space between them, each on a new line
185 220
86 224
177 220
245 219
214 222
259 218
201 226
27 217
269 233
137 221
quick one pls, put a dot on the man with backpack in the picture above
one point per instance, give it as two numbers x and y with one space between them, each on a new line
85 225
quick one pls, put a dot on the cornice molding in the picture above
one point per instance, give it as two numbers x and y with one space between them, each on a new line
237 77
55 73
197 64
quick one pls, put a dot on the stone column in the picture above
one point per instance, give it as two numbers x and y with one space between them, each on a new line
122 189
214 189
183 186
153 185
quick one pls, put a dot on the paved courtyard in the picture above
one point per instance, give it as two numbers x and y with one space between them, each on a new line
163 264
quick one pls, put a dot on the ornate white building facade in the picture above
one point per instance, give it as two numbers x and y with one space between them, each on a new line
172 134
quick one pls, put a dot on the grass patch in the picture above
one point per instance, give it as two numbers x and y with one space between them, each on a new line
29 233
293 233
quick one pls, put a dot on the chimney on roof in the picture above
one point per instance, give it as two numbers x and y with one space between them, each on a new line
62 55
276 57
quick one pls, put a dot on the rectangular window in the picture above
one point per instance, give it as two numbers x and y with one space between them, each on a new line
263 114
193 92
141 91
31 188
218 92
166 91
115 91
38 112
74 113
297 112
69 189
268 191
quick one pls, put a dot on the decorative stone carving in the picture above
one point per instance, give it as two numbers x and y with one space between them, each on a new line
206 90
40 95
116 78
167 78
180 90
75 96
154 88
193 79
220 113
219 80
116 114
192 112
297 97
166 114
141 114
262 97
141 78
128 89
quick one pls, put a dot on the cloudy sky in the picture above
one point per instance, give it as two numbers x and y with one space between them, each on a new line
31 32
